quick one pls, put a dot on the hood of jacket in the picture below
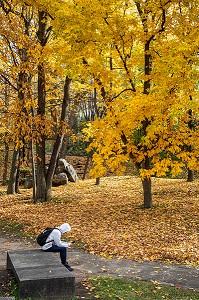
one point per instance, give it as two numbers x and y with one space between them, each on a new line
64 227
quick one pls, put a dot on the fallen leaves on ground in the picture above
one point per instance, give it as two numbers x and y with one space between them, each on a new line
108 219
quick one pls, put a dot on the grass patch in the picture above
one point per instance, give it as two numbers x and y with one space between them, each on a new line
120 289
15 230
106 288
12 228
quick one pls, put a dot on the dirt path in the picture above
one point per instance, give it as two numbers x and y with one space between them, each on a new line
88 265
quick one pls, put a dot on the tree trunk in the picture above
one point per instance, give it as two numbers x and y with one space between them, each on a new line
5 166
146 183
42 35
97 182
40 146
17 179
13 173
190 176
63 151
22 84
41 174
59 140
33 172
86 167
32 159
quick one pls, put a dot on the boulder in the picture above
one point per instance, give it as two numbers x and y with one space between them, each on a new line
60 179
65 167
28 184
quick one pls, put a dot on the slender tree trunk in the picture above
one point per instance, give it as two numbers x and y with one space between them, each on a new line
190 176
5 166
97 181
41 174
32 159
63 151
33 172
13 173
13 187
17 179
59 140
86 167
6 157
21 158
26 18
40 146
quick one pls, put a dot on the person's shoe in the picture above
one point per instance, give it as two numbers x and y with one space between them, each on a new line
68 267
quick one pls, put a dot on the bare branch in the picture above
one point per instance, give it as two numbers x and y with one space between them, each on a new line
122 93
8 82
11 50
126 68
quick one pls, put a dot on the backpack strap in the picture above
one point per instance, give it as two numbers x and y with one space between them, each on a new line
51 232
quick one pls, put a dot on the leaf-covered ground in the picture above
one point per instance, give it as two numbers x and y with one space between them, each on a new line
108 219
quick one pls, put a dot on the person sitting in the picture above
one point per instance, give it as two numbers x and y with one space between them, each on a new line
54 243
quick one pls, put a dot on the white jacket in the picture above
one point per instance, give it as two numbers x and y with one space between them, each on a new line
55 237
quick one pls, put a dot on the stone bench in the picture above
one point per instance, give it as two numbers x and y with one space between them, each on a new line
40 275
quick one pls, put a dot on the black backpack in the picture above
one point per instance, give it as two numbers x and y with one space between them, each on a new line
41 239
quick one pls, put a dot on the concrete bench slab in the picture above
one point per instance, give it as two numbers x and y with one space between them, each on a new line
40 275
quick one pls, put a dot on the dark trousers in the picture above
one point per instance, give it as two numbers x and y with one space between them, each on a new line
61 250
